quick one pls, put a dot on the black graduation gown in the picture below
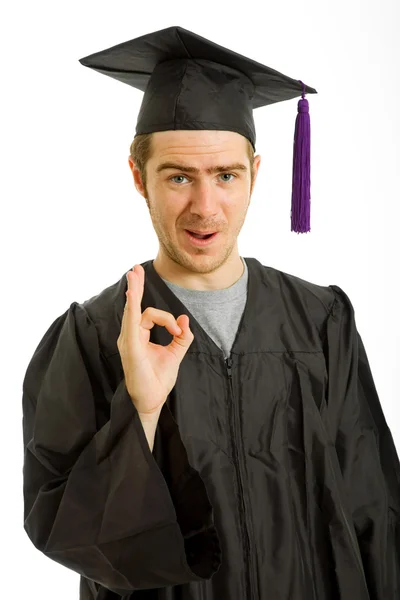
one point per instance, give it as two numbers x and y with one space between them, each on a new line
274 475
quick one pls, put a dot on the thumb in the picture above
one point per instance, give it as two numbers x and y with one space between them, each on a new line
183 321
182 341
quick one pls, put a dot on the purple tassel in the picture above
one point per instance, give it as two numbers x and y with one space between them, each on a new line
300 214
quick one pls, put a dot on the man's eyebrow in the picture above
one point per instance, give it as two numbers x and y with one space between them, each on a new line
188 169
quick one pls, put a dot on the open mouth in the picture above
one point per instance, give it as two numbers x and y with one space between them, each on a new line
201 239
200 236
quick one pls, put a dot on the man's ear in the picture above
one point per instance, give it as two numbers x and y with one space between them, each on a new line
256 166
136 177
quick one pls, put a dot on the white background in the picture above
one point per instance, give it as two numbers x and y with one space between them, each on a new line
73 222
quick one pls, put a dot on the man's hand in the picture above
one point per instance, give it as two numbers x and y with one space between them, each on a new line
151 370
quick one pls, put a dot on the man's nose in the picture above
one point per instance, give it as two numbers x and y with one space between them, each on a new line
204 197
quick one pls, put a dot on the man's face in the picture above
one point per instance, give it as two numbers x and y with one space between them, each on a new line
180 198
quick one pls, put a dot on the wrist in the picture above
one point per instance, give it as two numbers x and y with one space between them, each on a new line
150 417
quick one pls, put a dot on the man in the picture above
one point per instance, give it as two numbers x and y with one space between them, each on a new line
208 427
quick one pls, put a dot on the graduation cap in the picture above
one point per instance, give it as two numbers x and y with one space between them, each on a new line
190 82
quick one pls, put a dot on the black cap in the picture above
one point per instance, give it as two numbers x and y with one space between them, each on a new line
190 82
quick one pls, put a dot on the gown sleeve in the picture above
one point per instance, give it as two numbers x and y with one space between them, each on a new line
95 498
366 452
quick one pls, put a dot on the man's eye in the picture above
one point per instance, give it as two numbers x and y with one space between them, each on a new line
227 180
176 176
221 175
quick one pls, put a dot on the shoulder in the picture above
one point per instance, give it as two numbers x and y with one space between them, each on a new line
292 284
104 311
318 301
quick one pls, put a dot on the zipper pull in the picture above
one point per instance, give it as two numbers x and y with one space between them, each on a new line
229 362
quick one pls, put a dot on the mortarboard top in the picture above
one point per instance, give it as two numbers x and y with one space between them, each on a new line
190 82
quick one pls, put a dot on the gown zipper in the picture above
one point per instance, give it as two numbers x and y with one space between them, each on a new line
237 443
